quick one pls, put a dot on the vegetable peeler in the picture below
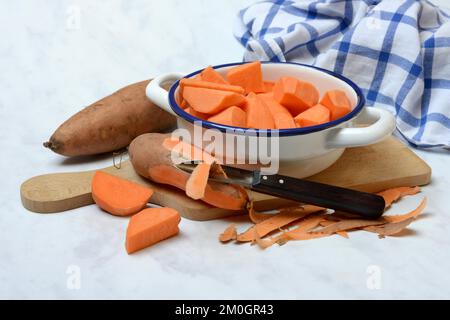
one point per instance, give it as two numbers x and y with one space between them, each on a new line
366 205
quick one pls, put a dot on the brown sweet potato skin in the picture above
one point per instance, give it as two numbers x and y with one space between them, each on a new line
110 123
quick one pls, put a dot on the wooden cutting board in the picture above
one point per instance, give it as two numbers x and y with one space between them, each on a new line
386 164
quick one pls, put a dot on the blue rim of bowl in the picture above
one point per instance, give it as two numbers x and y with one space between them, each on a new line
267 132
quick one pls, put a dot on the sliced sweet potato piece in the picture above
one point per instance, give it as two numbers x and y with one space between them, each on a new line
210 85
150 226
313 116
196 114
258 113
295 95
211 75
211 101
268 86
337 102
232 116
281 116
248 76
118 196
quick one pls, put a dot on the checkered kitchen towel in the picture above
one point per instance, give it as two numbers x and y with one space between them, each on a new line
398 52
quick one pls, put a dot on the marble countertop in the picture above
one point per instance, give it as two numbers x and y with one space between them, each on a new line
56 56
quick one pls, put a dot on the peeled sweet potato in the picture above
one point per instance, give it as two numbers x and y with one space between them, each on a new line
110 123
151 158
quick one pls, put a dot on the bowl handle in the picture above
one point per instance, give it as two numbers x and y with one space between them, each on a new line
157 94
382 125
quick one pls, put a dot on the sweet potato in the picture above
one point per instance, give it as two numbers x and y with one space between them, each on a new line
281 116
313 116
258 113
150 226
338 103
152 159
248 76
211 101
210 85
211 75
110 123
232 116
296 95
118 196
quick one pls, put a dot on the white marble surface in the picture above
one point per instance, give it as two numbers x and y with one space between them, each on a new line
50 67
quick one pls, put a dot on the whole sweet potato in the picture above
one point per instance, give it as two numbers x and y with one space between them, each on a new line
110 123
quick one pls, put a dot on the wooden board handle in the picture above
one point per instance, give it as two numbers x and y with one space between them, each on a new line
57 192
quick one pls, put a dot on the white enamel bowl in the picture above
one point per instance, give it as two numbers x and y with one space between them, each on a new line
302 151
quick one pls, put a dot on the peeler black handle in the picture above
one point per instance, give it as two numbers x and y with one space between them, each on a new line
367 205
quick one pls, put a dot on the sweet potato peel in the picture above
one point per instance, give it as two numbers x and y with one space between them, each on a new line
307 222
255 216
390 228
392 195
229 233
412 214
196 184
276 221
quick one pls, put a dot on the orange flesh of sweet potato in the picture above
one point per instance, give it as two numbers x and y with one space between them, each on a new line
337 102
281 116
295 95
211 101
196 184
232 116
196 114
187 150
313 116
258 113
268 86
211 75
210 85
248 76
153 160
118 196
150 226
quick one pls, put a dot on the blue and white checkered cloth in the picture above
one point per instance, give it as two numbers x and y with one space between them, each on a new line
398 52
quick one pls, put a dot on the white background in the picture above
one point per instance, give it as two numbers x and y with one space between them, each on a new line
50 67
